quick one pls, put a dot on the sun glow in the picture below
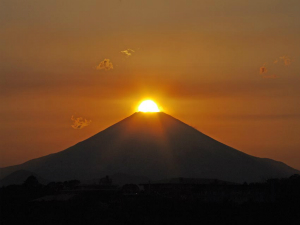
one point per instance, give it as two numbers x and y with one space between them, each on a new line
148 106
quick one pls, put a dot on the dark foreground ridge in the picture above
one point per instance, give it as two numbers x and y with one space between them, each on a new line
156 146
174 201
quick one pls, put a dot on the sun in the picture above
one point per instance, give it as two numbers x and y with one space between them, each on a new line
148 106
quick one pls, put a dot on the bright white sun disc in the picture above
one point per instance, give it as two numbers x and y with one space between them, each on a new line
148 106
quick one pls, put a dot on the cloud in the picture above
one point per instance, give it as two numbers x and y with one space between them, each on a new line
106 64
128 52
79 123
285 59
273 76
263 69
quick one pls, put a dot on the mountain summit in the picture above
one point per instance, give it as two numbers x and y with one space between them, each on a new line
155 145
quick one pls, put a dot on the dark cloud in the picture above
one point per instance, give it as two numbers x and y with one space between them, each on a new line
263 69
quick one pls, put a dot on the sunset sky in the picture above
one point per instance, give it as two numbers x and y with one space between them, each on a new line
231 69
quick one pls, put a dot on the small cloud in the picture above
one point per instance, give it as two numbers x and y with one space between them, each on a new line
263 69
106 64
79 123
128 52
285 59
270 76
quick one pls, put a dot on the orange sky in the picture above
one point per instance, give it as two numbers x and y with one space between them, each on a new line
199 60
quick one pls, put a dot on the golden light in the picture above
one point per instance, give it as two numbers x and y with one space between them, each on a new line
148 106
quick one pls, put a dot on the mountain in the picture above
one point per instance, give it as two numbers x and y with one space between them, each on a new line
19 176
157 146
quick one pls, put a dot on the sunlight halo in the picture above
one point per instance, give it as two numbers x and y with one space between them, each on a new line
148 106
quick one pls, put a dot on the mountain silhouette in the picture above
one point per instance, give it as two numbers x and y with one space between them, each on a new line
157 146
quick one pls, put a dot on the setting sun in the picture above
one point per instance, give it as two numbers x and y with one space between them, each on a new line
148 106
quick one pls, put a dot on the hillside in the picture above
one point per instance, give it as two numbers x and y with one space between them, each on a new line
157 146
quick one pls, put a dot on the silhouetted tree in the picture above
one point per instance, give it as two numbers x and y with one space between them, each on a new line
105 181
31 182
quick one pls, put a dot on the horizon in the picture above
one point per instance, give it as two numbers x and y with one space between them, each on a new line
71 68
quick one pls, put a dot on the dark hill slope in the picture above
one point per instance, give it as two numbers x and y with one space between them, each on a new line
157 146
